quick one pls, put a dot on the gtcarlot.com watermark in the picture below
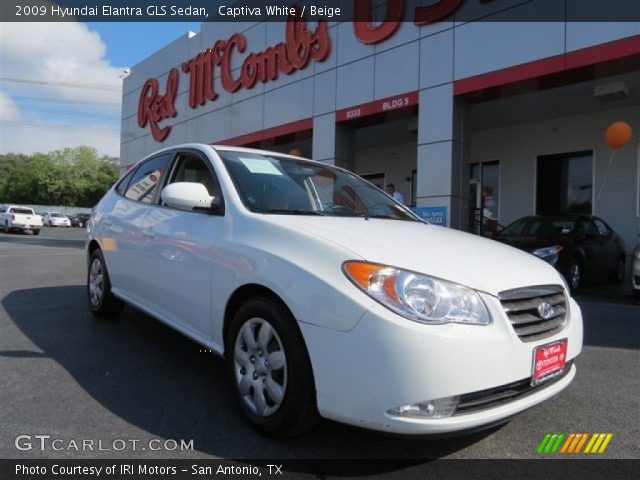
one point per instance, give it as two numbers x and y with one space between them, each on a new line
44 443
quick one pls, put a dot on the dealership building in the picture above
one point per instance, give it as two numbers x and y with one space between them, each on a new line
476 123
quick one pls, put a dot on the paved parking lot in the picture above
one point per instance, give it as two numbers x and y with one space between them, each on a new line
65 374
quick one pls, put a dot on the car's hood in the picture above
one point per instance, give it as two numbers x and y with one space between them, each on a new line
530 244
446 253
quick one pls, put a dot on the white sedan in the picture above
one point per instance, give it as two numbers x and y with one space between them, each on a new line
327 297
56 219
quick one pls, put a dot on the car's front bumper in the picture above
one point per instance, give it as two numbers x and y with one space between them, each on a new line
387 361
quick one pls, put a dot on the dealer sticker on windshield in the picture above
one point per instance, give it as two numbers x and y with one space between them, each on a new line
549 361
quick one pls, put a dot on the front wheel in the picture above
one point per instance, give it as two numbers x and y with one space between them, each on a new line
36 231
270 369
574 275
618 276
102 302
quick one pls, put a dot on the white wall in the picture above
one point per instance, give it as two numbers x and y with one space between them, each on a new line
517 148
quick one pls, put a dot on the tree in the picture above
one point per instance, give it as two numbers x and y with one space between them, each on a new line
71 177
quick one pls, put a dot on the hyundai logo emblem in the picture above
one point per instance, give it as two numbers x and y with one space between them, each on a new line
545 310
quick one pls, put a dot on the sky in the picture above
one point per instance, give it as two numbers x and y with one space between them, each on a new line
69 84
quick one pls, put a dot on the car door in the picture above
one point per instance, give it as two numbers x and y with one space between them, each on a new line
122 224
595 249
177 250
610 249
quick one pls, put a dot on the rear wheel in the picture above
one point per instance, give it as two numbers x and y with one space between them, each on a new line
102 302
270 368
36 231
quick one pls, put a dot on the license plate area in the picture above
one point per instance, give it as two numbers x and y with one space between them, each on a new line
549 361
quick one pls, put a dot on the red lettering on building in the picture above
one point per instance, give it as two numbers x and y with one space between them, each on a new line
299 48
435 12
363 26
154 107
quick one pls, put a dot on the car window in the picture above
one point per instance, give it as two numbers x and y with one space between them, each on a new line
592 230
601 227
192 168
271 184
23 211
121 187
145 180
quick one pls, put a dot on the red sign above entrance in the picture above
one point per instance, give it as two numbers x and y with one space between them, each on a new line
379 106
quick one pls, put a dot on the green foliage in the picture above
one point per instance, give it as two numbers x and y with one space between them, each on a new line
73 177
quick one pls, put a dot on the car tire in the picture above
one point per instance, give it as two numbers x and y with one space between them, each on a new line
102 302
36 232
636 295
617 277
574 275
286 405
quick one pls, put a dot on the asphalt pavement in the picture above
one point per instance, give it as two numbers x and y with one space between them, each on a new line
67 375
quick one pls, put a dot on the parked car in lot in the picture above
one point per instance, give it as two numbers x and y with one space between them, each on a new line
635 272
56 219
80 220
579 246
329 298
16 217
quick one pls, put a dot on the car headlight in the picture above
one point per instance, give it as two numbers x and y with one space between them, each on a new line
549 254
416 296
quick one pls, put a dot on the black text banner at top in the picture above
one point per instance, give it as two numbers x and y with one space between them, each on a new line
370 11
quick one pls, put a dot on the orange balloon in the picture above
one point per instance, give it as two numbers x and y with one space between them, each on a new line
618 134
295 152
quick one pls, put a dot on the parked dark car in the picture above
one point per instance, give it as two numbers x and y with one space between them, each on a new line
579 246
80 220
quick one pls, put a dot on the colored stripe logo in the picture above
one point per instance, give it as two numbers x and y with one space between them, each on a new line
573 443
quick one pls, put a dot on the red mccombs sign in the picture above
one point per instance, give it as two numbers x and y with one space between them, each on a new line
299 48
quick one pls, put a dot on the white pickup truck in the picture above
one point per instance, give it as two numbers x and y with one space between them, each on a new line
15 217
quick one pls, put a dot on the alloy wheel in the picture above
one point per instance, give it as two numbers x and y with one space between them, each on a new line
96 282
260 367
574 276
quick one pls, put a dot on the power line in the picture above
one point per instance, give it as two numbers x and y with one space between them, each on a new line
41 126
78 102
67 112
91 86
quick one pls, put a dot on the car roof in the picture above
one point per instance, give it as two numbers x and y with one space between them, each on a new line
232 148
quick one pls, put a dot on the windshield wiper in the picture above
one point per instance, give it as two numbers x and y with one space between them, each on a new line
387 217
294 212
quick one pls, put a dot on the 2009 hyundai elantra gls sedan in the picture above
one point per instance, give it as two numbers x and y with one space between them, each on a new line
327 298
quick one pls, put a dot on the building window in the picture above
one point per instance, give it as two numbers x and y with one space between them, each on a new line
565 183
484 197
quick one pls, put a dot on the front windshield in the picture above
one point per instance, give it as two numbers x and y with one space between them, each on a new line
57 215
539 227
279 185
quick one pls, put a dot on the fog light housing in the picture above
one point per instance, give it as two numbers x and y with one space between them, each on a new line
439 408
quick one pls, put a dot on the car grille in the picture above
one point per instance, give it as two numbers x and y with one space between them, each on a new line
535 312
495 397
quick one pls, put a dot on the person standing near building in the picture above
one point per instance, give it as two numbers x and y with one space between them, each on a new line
391 190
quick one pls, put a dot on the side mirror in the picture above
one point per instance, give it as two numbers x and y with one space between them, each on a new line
188 196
